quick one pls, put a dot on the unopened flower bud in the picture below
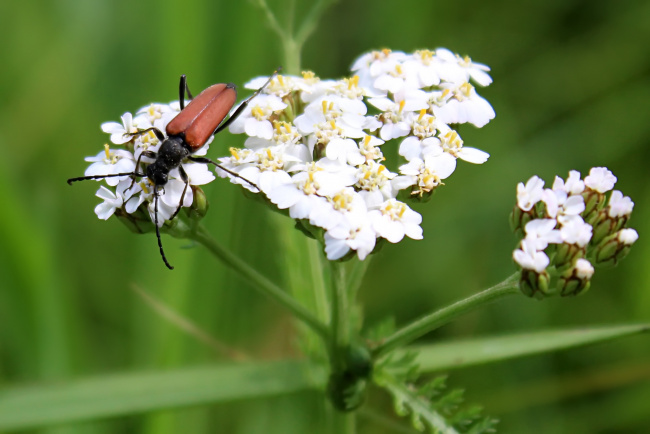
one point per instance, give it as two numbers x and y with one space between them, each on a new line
138 222
518 220
200 204
566 255
613 250
594 201
603 227
534 284
577 281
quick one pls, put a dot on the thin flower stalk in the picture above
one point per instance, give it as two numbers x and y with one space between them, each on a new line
437 319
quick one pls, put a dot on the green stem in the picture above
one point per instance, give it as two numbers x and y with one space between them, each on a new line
260 282
292 52
340 319
292 43
318 267
347 423
445 315
310 22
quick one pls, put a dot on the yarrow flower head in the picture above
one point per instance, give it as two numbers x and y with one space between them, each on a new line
335 178
315 149
567 228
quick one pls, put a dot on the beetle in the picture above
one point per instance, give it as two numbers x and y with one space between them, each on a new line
186 133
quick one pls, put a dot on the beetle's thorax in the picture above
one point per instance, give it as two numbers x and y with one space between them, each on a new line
170 155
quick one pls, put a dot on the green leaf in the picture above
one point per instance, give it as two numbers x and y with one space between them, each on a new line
460 354
426 408
122 394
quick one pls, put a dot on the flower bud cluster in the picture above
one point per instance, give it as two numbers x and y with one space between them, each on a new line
319 149
567 228
131 198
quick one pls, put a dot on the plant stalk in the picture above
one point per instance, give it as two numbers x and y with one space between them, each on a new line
445 315
340 314
259 282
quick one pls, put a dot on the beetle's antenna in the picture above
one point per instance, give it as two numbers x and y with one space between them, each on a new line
183 87
243 105
155 222
205 160
84 178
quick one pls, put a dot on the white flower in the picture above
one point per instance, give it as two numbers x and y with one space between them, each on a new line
529 258
457 69
465 106
542 232
340 239
530 194
426 67
573 185
396 115
451 142
331 112
171 194
157 115
600 179
164 211
312 87
346 88
265 168
628 236
583 269
575 231
119 132
345 151
428 174
346 207
111 162
394 219
619 206
279 86
111 202
558 205
300 199
412 147
374 64
374 183
368 147
255 119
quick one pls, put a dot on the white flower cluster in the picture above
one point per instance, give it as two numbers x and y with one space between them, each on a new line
314 147
128 194
574 213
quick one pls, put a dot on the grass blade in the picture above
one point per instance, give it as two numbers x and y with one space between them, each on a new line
122 394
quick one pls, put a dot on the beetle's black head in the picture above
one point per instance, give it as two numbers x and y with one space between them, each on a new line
157 173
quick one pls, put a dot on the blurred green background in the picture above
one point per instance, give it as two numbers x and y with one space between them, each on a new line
571 90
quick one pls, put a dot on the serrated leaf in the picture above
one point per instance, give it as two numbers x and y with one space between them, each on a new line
459 354
418 406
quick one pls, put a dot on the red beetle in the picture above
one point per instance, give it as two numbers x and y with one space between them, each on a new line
186 134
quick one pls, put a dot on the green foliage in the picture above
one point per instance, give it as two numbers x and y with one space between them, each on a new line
571 91
429 405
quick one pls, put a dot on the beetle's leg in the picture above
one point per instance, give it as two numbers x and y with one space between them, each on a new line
155 222
230 172
84 178
243 105
159 134
187 182
182 88
149 154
